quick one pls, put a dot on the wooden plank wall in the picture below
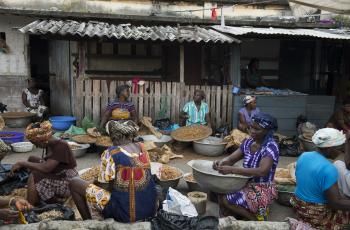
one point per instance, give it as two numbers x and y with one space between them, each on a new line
154 99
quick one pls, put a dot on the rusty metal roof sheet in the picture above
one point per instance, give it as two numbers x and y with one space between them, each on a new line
127 31
317 33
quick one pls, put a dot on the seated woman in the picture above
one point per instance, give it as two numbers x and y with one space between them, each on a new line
246 113
260 156
341 119
196 111
317 200
33 99
50 175
9 208
125 168
121 108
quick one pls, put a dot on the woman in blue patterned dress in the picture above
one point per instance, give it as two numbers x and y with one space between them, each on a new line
125 168
260 156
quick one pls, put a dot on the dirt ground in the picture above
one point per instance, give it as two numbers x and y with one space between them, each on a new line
277 211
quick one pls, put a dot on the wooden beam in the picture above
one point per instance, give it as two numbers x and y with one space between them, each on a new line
182 63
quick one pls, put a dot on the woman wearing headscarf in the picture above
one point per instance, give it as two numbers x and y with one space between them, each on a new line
260 156
121 108
50 175
318 200
125 168
246 113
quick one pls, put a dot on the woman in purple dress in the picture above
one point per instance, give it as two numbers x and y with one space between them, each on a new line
246 113
260 156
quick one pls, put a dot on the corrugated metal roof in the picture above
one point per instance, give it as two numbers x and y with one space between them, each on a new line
318 33
127 31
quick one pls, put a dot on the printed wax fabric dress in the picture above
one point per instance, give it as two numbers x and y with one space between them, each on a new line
133 195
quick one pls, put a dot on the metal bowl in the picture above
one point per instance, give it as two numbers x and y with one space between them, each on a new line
210 179
192 186
80 151
21 120
211 146
165 139
284 198
166 184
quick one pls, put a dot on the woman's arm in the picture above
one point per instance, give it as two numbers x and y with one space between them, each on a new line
44 167
262 171
105 117
242 125
207 119
25 101
334 199
133 115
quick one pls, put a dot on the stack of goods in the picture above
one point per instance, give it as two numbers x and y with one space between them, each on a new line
161 155
169 173
104 141
235 139
146 127
84 139
191 133
93 132
307 130
286 176
91 174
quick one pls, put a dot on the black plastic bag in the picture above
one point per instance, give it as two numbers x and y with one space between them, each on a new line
170 221
290 147
224 130
163 123
32 216
10 182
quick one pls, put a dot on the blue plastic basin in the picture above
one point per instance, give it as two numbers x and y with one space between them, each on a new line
15 137
62 123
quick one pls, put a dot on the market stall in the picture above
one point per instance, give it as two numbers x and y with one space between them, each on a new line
287 105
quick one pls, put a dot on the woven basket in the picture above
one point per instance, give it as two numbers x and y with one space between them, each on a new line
191 133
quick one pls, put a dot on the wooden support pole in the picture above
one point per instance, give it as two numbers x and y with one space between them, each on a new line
235 63
182 63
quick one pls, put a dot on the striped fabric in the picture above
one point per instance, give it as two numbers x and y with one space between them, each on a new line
252 160
195 116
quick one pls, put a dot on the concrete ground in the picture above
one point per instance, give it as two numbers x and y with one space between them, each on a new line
277 211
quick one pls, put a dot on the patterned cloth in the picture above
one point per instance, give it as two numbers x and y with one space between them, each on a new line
248 116
97 197
121 110
39 132
119 130
252 160
196 116
260 191
328 137
48 188
133 195
320 216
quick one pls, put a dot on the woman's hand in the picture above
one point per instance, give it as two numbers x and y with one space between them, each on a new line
217 164
16 167
226 169
22 205
8 214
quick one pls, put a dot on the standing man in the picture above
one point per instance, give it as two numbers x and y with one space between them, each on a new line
196 111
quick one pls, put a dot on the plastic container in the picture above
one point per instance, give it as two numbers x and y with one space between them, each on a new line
13 137
62 123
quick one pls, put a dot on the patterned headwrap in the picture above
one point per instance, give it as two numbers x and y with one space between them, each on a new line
266 121
328 137
248 99
39 132
120 130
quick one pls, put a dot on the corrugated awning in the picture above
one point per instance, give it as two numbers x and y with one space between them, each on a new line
317 33
126 31
335 6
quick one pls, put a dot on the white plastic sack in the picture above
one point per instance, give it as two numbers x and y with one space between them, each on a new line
179 204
